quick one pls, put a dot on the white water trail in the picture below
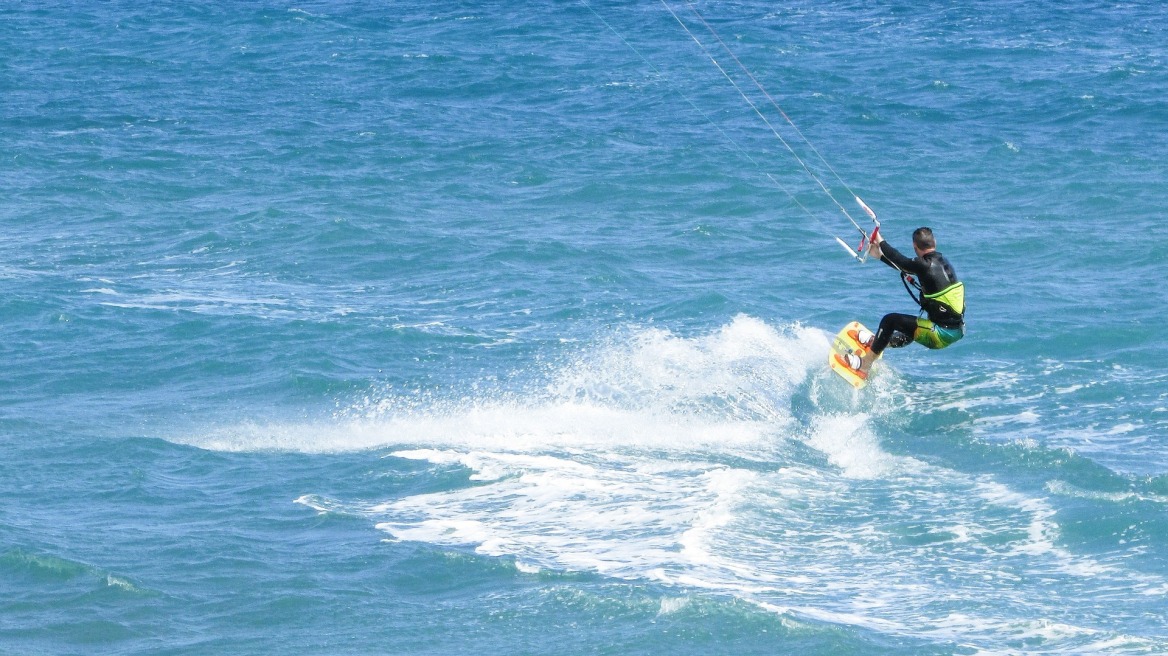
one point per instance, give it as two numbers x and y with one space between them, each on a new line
732 463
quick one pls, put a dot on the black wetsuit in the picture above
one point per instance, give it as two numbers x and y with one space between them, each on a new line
935 274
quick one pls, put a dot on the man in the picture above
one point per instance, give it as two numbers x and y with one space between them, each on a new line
942 301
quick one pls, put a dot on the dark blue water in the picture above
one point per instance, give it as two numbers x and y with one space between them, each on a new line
502 328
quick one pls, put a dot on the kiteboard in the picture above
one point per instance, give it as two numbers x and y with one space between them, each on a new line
845 344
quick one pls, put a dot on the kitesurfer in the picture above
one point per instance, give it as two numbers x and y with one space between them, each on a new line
941 297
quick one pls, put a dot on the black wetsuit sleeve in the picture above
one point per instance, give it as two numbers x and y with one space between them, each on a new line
894 259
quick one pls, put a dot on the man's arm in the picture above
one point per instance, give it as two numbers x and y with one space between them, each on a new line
894 259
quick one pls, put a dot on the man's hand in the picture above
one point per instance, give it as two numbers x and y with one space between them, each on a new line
874 247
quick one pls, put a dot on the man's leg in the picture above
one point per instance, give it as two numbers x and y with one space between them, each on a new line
898 327
905 324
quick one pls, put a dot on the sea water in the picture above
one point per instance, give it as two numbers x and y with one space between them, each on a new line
501 328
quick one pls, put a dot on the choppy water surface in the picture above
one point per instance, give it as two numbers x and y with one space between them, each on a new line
502 328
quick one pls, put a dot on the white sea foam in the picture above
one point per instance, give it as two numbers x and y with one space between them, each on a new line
727 463
729 392
850 445
670 605
120 583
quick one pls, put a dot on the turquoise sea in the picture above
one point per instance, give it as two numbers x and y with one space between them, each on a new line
501 328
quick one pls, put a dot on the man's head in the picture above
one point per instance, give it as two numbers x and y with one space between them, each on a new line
923 240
